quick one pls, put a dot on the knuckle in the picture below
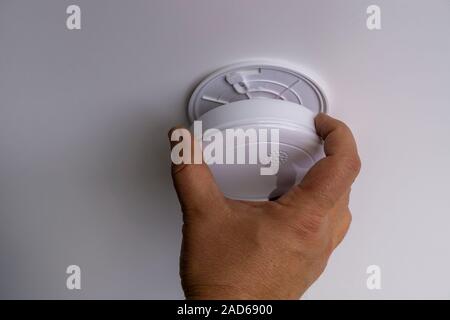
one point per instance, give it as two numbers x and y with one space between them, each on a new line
352 164
341 126
349 218
313 224
308 227
317 201
321 201
179 169
329 248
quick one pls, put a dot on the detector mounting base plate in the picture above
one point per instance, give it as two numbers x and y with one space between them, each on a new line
256 80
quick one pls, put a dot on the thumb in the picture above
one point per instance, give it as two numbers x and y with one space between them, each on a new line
194 182
332 176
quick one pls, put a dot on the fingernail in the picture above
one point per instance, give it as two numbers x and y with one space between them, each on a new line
170 132
172 143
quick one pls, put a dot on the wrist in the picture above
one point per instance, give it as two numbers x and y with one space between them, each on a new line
217 293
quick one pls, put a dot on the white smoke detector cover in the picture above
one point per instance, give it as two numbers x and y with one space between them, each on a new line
261 96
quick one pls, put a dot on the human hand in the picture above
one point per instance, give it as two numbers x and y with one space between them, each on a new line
266 250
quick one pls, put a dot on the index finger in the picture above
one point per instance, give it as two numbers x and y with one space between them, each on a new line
332 176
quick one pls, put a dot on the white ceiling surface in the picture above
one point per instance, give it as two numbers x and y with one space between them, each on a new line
84 164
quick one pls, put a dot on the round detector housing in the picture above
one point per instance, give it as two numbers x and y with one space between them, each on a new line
260 96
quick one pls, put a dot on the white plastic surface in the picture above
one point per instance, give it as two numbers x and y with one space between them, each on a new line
259 79
262 96
299 146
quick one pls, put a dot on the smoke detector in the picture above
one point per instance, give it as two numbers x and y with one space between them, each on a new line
265 97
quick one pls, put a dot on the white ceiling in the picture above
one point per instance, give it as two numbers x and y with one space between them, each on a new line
84 163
